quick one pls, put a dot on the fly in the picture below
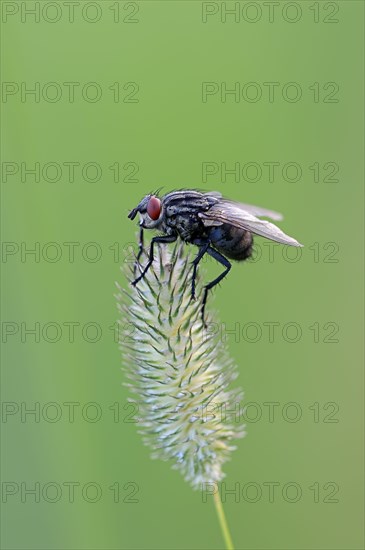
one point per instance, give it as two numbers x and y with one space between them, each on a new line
217 226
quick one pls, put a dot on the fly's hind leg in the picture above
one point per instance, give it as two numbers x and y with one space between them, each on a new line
222 260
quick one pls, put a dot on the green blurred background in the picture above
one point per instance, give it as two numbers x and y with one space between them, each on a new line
156 125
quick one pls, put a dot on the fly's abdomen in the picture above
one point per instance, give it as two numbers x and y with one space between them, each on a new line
232 242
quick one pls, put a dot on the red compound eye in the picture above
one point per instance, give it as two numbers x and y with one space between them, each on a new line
154 208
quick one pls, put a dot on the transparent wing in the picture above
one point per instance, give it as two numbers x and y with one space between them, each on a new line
215 194
250 208
258 211
243 216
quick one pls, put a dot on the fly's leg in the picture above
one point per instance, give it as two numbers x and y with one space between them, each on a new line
203 247
140 244
140 251
162 239
222 260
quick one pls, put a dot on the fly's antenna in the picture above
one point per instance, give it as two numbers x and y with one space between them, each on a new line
132 214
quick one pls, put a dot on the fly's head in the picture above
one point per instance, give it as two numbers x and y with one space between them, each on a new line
150 212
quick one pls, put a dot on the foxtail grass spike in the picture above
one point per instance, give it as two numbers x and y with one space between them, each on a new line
178 371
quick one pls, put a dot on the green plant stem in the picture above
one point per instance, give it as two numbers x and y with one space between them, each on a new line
222 521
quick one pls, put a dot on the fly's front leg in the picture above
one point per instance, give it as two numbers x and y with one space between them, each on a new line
140 244
162 239
140 249
203 247
222 260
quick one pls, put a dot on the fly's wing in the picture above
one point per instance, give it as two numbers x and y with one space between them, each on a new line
242 216
250 208
215 194
258 211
